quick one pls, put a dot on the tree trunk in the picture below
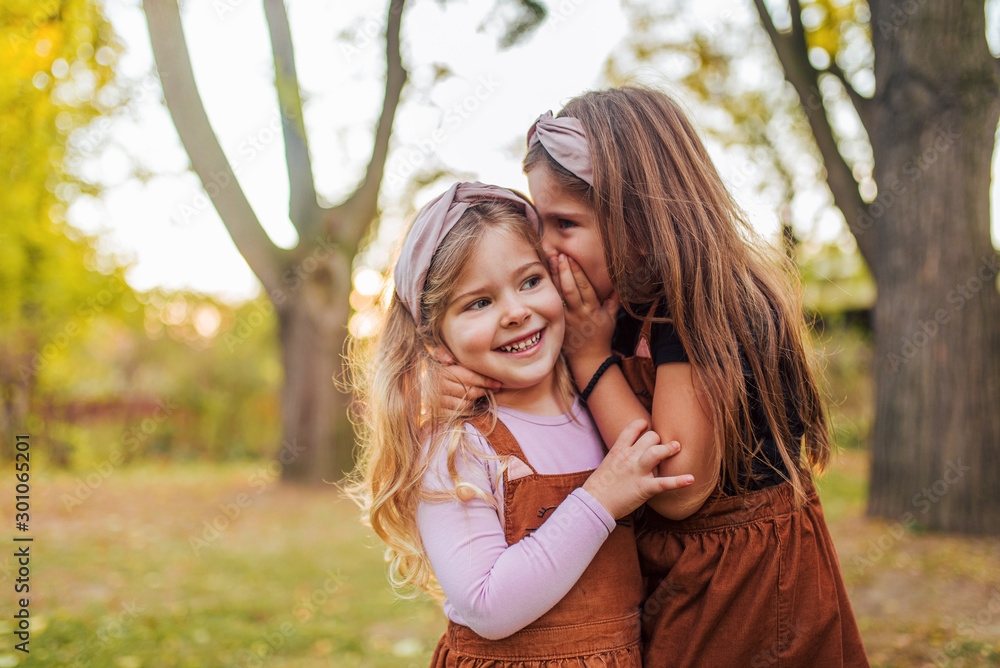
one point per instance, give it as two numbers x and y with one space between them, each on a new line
936 441
310 286
17 387
312 316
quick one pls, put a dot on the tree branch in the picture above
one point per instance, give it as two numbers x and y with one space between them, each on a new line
793 55
303 209
862 105
364 200
173 63
765 19
796 14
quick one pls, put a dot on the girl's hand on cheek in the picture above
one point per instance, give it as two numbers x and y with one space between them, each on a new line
554 273
590 323
461 387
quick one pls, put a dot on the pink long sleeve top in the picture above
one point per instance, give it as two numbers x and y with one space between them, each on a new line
493 588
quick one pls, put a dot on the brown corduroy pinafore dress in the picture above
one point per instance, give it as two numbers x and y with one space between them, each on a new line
747 581
597 622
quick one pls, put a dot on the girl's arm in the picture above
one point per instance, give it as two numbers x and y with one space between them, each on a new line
497 589
677 413
677 416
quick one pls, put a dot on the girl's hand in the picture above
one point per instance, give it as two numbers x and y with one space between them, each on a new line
461 387
590 324
626 477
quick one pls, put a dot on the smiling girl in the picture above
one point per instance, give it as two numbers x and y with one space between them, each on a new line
510 504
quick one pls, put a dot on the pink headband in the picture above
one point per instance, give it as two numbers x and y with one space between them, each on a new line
431 227
566 141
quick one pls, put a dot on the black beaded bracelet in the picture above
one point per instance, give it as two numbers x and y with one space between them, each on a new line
614 359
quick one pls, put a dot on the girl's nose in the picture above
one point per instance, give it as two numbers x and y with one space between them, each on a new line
516 313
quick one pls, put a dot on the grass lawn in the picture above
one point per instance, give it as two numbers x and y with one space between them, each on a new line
136 575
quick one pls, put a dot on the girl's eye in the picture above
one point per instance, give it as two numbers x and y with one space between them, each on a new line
477 305
532 282
563 224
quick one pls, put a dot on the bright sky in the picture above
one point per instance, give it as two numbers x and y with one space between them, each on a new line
473 123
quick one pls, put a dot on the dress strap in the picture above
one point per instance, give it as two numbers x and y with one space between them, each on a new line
500 439
647 327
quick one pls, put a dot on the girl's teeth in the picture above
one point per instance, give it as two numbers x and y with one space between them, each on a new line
524 344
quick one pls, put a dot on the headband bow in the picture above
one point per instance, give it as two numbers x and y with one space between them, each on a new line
566 141
431 227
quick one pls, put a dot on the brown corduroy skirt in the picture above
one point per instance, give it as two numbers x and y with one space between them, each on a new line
746 581
604 644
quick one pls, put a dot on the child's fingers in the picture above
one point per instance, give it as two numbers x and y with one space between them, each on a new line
443 355
468 378
554 273
570 288
630 433
456 396
611 305
581 281
654 486
450 403
655 454
644 443
460 382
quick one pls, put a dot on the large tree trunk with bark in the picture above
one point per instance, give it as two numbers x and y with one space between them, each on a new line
926 239
312 328
936 441
310 285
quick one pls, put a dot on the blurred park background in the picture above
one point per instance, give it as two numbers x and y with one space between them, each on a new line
199 203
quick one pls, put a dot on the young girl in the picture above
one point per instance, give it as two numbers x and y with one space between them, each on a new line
501 503
709 345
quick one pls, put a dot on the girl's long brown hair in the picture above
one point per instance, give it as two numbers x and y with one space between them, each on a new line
401 423
672 231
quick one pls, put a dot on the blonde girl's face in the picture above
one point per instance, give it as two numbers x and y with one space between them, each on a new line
569 227
505 317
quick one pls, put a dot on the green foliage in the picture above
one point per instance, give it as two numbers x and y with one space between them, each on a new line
838 290
846 359
57 59
836 26
835 279
95 371
842 492
182 376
